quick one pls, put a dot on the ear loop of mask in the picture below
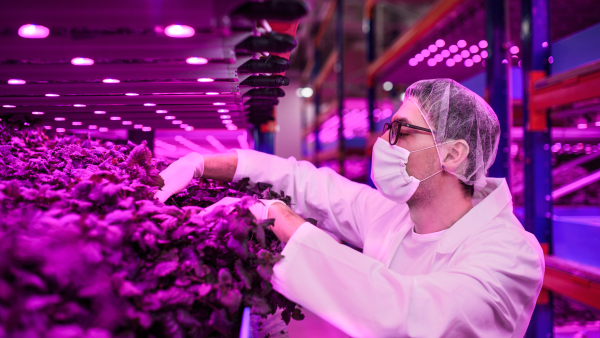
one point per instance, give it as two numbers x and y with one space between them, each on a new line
434 141
443 167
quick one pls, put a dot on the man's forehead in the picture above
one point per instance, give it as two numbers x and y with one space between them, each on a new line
408 113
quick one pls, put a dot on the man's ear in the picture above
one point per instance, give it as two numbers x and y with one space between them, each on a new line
457 153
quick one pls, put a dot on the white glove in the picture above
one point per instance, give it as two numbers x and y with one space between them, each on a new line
179 174
260 209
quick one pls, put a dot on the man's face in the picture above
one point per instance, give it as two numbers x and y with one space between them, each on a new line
421 164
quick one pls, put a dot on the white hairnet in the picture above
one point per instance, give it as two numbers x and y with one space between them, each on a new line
456 113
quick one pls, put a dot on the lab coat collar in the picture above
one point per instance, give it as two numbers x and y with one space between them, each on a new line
488 203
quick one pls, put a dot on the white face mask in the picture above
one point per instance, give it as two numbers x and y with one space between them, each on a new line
389 171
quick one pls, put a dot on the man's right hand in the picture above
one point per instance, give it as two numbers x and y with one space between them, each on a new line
179 174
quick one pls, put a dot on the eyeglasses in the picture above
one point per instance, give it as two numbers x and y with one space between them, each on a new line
395 128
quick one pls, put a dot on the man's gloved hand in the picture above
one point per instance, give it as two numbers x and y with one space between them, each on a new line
260 209
179 174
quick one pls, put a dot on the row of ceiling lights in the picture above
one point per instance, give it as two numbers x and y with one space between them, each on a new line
33 31
446 53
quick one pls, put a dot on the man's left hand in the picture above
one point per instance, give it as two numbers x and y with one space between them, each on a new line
286 221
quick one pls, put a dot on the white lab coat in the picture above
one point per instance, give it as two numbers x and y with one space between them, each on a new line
483 281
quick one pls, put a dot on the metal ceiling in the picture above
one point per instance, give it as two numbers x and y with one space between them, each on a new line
127 41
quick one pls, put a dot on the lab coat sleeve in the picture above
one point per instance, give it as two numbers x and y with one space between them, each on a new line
341 206
489 291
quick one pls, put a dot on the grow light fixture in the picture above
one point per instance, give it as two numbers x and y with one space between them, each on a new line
31 31
82 61
16 82
196 60
179 31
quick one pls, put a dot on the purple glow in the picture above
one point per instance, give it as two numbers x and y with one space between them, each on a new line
196 61
60 130
515 57
111 81
59 119
438 58
179 31
225 117
115 118
38 113
149 104
223 111
190 128
445 53
461 43
419 57
127 123
473 49
413 62
432 48
450 63
183 125
132 94
483 44
82 62
161 111
92 126
16 82
468 63
205 79
431 62
551 60
79 105
176 122
440 43
484 54
519 63
138 126
505 61
76 123
514 49
52 95
8 106
47 127
99 112
465 54
425 53
545 44
218 103
582 126
226 121
169 117
453 49
103 129
231 127
476 58
31 31
212 93
457 58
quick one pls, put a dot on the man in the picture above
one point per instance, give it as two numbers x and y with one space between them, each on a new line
443 254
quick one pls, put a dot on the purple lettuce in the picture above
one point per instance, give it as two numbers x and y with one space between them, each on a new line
85 251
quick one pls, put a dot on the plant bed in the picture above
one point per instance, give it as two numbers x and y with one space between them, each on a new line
85 251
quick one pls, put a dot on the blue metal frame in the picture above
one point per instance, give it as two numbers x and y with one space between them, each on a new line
535 23
370 35
264 141
498 82
339 42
